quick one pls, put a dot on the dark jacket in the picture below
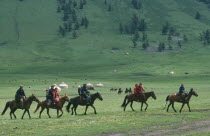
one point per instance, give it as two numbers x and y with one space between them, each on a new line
19 93
83 90
181 89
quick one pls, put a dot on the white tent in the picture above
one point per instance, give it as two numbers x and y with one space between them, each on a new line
89 86
99 85
63 85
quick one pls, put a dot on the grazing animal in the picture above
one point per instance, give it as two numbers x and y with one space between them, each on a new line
119 91
128 91
111 89
80 101
26 106
58 106
132 97
174 98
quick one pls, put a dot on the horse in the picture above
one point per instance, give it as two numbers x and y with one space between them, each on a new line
58 106
174 98
119 91
80 101
128 91
26 106
133 97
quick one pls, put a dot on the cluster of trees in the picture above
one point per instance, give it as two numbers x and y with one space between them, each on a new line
168 29
205 37
136 24
109 6
136 4
71 22
206 2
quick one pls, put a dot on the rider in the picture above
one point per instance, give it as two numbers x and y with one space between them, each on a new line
79 89
136 90
84 92
56 95
20 96
141 89
181 92
50 95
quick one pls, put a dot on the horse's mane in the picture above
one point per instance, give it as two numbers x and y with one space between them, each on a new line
64 96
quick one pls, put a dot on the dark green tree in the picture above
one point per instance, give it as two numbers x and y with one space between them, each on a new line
161 47
145 45
74 34
121 28
197 15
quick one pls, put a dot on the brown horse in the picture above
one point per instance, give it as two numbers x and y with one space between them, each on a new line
80 101
174 98
26 105
132 97
58 106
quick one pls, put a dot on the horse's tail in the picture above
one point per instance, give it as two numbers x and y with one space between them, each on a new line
166 101
124 102
37 107
6 107
68 106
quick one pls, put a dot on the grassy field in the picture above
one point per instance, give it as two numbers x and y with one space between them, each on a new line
32 53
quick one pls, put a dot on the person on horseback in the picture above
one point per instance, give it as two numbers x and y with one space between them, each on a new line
50 95
85 93
141 90
20 96
79 87
137 92
181 92
56 95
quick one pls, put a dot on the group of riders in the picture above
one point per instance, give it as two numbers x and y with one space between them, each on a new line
52 94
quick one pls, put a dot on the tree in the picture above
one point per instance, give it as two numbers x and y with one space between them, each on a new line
86 22
58 9
76 26
144 36
121 28
109 8
185 38
136 36
161 47
105 2
169 39
62 31
134 43
165 28
81 5
197 16
74 34
145 45
69 26
179 44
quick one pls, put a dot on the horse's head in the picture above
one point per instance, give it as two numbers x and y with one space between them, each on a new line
98 95
34 98
193 92
153 95
66 98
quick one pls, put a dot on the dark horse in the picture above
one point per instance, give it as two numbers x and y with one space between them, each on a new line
80 101
26 105
133 97
174 98
58 106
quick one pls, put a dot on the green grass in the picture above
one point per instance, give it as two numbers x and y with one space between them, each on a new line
33 54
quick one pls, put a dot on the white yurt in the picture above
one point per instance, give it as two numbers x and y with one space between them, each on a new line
63 85
171 73
99 85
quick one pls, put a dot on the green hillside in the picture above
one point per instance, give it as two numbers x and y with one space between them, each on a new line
30 42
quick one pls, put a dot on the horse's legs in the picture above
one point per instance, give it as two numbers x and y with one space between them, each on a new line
41 112
141 105
146 106
23 114
94 109
57 113
126 105
14 112
75 109
132 106
173 107
181 107
61 113
86 109
72 110
48 113
188 106
11 112
168 106
28 113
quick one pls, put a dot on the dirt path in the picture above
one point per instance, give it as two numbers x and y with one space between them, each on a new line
199 126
